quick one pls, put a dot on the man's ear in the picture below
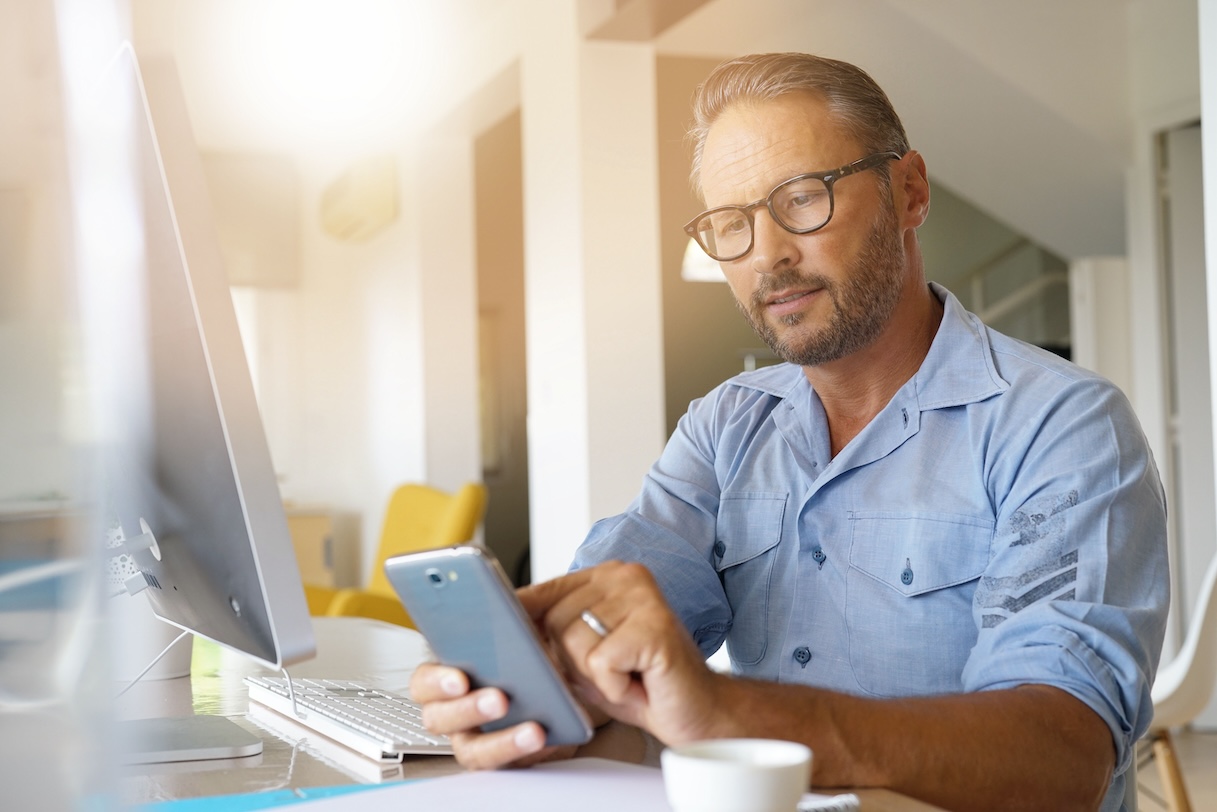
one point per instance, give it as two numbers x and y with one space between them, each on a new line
914 192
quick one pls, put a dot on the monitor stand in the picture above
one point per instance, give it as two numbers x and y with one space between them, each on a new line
184 738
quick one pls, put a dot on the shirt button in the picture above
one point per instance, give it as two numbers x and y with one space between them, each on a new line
906 577
818 555
719 548
802 656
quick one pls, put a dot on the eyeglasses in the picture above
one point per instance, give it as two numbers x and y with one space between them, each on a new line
800 205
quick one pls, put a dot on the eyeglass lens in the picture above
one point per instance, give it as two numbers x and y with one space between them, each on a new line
800 204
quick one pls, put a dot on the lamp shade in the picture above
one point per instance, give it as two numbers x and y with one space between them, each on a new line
698 267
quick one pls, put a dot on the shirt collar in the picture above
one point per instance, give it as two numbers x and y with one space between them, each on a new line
958 369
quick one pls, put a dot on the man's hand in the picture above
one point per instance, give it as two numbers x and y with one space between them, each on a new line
646 670
450 708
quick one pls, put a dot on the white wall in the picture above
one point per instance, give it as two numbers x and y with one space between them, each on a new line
1164 93
1208 83
448 316
1099 308
594 344
36 427
387 388
356 406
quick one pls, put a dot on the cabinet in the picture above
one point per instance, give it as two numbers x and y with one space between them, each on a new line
326 543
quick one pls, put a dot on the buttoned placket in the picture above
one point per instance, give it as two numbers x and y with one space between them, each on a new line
899 421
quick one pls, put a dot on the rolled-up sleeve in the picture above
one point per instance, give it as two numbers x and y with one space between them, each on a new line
1076 591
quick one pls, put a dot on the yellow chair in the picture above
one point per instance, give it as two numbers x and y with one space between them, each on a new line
418 517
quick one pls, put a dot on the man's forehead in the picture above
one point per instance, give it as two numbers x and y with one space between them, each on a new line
752 146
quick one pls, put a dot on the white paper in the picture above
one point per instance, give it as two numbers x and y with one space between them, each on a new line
582 784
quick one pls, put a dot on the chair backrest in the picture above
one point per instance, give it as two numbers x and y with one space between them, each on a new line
1186 684
420 517
1201 641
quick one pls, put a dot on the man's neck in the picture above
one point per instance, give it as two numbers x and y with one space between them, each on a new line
856 388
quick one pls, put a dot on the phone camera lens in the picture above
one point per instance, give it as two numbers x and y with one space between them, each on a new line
435 577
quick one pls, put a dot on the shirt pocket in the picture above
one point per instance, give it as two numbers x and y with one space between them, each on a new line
746 536
908 603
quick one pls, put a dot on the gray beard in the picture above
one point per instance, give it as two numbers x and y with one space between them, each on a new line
861 305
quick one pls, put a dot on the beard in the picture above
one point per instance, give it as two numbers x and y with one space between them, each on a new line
862 304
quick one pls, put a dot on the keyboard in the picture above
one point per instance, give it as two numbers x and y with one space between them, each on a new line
379 724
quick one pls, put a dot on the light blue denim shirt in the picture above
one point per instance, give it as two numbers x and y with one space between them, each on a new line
1000 522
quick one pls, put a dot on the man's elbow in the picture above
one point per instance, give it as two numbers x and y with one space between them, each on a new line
1084 754
1092 786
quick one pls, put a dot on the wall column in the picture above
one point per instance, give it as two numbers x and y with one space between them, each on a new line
448 287
591 277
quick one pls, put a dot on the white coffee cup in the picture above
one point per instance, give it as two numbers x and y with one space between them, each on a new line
736 775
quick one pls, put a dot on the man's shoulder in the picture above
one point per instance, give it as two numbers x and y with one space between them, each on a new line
1041 383
970 358
1024 364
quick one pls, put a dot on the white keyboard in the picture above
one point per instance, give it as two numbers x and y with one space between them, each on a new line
379 724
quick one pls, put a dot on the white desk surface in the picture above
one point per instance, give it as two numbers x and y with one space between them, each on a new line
347 648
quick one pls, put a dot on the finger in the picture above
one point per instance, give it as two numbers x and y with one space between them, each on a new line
614 667
466 713
537 599
432 682
610 590
517 745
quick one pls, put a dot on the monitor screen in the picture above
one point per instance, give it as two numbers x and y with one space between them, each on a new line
189 462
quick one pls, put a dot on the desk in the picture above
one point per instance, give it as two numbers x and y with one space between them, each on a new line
347 648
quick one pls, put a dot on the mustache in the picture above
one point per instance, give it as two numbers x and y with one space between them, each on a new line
787 279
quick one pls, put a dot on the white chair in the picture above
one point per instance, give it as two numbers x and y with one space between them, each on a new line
1183 689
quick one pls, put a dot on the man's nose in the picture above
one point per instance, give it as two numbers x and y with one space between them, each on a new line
773 247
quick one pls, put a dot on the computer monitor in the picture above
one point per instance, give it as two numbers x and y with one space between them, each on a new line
189 463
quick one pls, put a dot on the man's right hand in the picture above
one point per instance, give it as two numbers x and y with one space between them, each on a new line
450 708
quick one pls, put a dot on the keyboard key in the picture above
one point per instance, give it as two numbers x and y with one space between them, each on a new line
379 724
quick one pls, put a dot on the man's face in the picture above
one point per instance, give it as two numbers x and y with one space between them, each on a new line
813 298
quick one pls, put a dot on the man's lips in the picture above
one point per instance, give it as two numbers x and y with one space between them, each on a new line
789 301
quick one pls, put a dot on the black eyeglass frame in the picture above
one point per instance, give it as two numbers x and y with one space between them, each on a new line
828 177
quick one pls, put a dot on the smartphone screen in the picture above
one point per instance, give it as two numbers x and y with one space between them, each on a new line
466 608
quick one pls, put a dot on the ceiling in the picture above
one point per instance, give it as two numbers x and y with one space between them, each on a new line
1023 109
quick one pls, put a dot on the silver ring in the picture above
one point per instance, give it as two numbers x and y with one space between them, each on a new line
594 623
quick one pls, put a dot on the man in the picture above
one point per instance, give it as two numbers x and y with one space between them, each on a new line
937 555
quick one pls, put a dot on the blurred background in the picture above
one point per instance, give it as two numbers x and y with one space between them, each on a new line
452 231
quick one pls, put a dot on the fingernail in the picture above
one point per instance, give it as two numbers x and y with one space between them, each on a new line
490 706
451 685
529 739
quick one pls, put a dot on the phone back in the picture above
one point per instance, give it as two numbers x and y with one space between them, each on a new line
463 603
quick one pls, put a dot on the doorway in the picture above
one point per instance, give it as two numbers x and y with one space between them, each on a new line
1190 415
502 367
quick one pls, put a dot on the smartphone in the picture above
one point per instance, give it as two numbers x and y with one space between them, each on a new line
466 608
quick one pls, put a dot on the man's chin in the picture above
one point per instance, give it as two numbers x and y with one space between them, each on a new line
796 349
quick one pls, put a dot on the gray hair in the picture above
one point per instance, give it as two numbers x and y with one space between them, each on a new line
854 99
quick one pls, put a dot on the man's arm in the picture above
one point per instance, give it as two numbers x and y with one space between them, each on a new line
1031 747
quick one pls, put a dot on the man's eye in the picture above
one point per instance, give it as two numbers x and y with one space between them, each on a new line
803 199
729 224
734 226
